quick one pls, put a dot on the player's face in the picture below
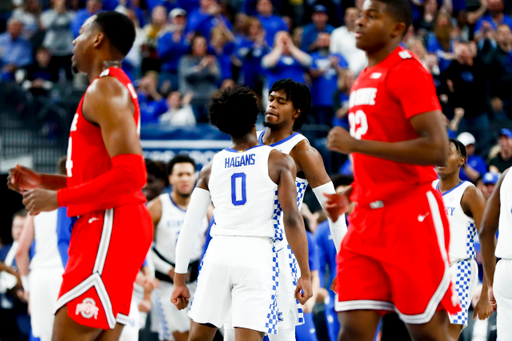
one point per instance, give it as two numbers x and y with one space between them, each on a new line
279 109
453 163
375 28
82 45
17 226
183 178
153 188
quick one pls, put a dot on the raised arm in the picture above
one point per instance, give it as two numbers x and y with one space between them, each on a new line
282 170
311 163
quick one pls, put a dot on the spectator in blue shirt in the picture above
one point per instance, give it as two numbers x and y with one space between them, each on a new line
324 72
475 166
493 17
285 61
151 103
319 25
15 51
440 42
92 7
251 50
307 330
341 99
271 23
223 45
205 18
171 46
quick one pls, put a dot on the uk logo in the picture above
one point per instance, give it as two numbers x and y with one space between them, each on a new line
87 308
280 316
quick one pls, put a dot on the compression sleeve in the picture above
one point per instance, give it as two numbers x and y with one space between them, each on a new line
197 209
339 228
127 175
159 264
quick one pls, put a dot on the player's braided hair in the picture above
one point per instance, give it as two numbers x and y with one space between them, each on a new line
234 110
461 149
401 10
299 94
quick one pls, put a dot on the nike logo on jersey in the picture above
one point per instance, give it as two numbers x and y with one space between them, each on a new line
422 217
93 219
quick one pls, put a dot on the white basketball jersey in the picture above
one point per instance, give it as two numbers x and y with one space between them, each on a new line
242 193
462 227
169 228
504 247
285 146
45 234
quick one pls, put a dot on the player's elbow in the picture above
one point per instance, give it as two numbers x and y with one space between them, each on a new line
293 221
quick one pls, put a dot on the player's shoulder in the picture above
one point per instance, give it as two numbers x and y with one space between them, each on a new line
107 87
304 151
405 62
282 160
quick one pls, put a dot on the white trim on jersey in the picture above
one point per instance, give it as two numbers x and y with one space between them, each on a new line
101 256
122 319
95 281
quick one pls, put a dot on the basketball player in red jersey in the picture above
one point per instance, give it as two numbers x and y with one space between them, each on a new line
105 175
394 256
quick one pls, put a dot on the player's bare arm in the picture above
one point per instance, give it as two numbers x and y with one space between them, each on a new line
473 203
283 172
107 104
487 235
308 160
155 211
22 253
21 179
429 148
196 211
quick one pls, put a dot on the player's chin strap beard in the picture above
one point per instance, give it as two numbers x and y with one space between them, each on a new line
112 63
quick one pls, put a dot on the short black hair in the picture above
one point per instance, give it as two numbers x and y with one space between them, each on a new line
461 149
400 10
61 165
118 28
158 169
342 180
299 94
234 110
180 158
21 213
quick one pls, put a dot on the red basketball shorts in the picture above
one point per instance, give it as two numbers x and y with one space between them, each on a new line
106 251
395 258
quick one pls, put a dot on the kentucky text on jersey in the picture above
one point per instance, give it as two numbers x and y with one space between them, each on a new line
239 161
365 96
449 210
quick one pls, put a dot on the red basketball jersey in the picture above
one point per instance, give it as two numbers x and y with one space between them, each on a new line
87 155
383 100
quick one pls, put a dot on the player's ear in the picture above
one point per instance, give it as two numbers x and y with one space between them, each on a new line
98 39
297 114
398 30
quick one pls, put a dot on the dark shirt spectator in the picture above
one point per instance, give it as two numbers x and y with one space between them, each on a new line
285 61
500 71
271 23
324 71
503 160
92 7
15 51
171 46
251 50
319 25
199 74
205 18
41 74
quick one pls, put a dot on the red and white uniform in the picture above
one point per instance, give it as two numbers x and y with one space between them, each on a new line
110 239
394 256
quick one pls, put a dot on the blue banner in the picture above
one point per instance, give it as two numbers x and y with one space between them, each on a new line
201 142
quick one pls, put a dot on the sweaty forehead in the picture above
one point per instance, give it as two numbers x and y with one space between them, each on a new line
374 5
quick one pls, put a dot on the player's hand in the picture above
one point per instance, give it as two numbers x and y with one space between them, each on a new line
483 309
492 300
180 296
145 306
333 284
303 291
21 179
336 205
339 140
40 200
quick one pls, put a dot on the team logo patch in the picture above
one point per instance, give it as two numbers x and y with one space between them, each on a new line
375 75
404 54
87 308
280 316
